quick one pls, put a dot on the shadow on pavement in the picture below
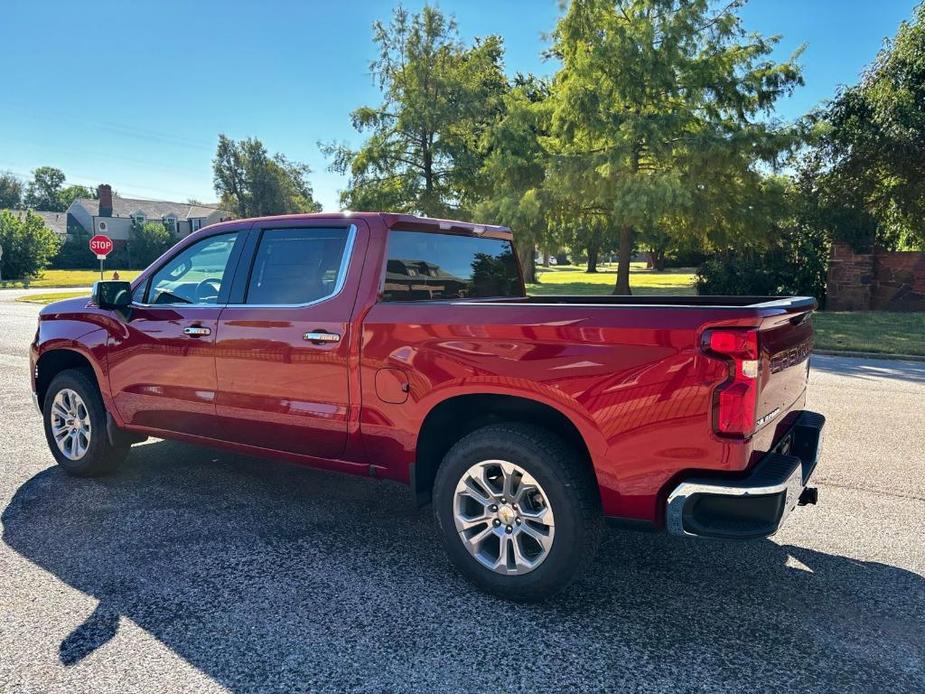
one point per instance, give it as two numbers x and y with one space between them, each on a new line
270 577
867 369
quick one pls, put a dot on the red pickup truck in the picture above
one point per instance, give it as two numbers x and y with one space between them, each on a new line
406 348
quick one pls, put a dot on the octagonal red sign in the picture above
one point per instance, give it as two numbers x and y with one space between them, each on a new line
101 244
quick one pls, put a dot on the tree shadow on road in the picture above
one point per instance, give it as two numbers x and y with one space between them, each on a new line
270 577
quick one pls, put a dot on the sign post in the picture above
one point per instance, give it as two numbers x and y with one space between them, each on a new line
101 245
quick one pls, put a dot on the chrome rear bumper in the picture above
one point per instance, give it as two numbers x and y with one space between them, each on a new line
754 506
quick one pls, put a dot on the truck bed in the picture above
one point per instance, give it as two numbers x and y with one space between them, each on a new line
674 301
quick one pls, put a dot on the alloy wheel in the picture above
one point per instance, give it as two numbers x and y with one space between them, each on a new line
70 424
503 517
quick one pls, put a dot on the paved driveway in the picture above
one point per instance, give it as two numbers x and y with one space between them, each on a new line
197 570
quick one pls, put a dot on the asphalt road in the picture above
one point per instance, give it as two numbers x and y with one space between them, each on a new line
195 570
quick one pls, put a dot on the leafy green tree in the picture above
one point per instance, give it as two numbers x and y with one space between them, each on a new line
657 241
491 275
28 245
868 170
252 183
10 192
148 242
658 116
69 194
513 172
592 234
791 260
422 154
44 190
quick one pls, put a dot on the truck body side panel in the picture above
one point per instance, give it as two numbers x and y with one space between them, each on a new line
634 383
630 375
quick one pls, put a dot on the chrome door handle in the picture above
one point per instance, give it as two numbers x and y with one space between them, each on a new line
318 336
197 331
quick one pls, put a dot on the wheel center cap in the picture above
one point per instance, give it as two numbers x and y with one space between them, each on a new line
506 514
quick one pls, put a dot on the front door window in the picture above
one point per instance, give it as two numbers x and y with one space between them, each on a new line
195 275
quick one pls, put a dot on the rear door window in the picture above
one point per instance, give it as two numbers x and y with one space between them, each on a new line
298 266
426 266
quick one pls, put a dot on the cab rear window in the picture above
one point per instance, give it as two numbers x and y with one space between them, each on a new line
426 266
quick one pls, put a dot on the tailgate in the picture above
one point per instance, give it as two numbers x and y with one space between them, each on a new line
785 343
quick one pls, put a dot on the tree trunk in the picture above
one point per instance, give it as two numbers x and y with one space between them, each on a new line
526 252
657 259
626 255
626 240
428 205
593 251
546 258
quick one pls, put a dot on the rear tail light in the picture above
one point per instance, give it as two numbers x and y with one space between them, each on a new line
734 400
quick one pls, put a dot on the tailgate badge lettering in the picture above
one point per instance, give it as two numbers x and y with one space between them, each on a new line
791 357
761 421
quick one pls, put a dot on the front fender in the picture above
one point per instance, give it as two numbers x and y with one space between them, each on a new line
89 341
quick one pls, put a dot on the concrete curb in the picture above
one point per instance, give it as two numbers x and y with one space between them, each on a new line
869 355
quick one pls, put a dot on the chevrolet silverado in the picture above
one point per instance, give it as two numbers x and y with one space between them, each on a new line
406 348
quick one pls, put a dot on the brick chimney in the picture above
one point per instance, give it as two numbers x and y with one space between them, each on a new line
104 192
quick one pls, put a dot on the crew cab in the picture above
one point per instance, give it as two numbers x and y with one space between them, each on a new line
405 348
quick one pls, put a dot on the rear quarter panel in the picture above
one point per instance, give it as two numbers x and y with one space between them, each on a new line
633 381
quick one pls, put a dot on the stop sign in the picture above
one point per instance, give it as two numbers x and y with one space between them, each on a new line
101 245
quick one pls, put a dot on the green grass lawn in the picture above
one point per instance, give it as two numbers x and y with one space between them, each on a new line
68 278
50 297
870 331
572 279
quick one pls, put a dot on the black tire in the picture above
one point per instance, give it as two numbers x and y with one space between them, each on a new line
572 494
101 456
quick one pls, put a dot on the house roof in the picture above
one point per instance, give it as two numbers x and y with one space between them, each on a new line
152 209
56 221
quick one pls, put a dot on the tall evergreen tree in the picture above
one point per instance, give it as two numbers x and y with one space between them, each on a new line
510 188
661 115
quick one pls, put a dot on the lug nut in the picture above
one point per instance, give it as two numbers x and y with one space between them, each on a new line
509 530
503 500
518 521
496 522
494 507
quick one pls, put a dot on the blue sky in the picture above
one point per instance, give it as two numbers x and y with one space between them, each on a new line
135 93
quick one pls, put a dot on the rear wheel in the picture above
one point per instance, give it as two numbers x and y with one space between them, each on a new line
518 510
75 425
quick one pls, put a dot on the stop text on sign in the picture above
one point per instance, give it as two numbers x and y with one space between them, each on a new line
101 245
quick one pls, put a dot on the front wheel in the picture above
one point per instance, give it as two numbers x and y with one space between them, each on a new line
75 425
518 510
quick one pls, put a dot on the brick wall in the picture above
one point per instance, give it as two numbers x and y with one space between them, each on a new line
880 281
